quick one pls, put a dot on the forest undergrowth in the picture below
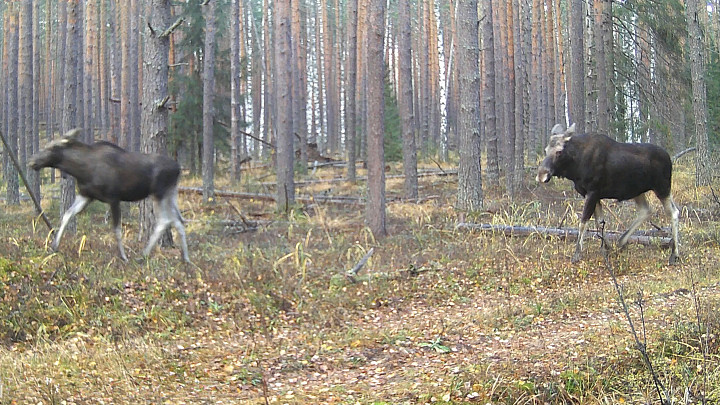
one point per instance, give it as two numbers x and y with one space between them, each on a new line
267 312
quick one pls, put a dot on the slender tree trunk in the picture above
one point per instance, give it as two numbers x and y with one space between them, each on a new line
509 98
269 88
577 65
331 105
103 69
135 77
257 85
560 80
299 82
490 113
50 76
89 80
703 174
70 109
602 26
154 122
12 188
235 90
25 81
470 193
115 92
405 100
208 144
33 176
283 100
350 88
375 214
125 137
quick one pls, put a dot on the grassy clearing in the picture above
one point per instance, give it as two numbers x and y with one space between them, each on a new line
437 315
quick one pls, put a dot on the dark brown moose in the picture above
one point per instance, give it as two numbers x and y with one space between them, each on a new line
108 173
602 168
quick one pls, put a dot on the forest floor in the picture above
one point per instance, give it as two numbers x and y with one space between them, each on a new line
267 313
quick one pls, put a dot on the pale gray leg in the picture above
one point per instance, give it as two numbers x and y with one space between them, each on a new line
167 213
674 214
162 221
591 203
117 226
177 222
78 205
643 213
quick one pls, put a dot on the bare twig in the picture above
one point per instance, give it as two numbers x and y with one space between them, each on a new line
641 347
34 198
703 341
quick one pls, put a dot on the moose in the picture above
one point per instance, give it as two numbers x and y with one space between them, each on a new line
108 173
602 168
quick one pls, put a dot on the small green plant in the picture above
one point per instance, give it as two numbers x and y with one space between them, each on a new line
436 345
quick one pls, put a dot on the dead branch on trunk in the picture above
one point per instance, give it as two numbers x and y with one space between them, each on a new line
681 153
642 238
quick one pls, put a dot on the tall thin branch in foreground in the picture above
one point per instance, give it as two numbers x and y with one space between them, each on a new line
642 347
703 341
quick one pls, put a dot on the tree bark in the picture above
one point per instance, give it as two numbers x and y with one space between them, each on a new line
72 53
350 88
375 214
703 174
603 24
283 100
299 82
125 136
490 112
235 90
154 122
405 100
12 188
470 193
577 65
208 144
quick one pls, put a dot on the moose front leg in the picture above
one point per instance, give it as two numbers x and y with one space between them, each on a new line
591 203
78 205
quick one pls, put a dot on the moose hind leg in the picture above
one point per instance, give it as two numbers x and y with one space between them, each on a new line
77 207
674 214
117 228
162 221
643 213
177 222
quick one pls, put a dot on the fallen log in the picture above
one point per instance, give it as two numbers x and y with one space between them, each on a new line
427 173
646 239
340 200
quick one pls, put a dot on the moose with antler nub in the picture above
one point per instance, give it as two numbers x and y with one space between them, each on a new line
108 173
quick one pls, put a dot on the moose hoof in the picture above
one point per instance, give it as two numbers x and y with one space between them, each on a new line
673 259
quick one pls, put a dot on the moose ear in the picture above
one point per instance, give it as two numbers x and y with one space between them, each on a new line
71 135
557 129
571 130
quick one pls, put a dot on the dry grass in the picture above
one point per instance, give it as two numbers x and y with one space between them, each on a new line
438 314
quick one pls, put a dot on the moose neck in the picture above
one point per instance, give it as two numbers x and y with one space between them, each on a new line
75 161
